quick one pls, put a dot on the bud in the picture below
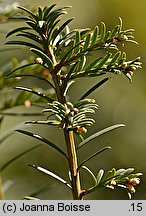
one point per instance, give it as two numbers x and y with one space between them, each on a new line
81 130
45 73
75 110
18 78
67 112
123 65
41 23
125 37
134 181
113 182
27 103
131 188
39 60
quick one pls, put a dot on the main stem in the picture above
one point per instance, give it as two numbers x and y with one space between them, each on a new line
73 164
72 154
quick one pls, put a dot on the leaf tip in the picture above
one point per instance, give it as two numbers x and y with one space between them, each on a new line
32 165
28 122
108 147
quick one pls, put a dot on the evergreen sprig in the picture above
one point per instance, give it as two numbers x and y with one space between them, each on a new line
64 54
69 116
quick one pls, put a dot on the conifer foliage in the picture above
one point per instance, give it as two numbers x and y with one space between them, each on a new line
65 54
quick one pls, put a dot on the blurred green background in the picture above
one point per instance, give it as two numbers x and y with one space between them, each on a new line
119 102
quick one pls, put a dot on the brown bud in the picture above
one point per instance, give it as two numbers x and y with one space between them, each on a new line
123 65
45 73
27 103
134 181
131 188
75 110
81 130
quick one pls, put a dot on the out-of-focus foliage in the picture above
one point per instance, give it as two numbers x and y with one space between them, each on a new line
118 54
24 97
7 10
